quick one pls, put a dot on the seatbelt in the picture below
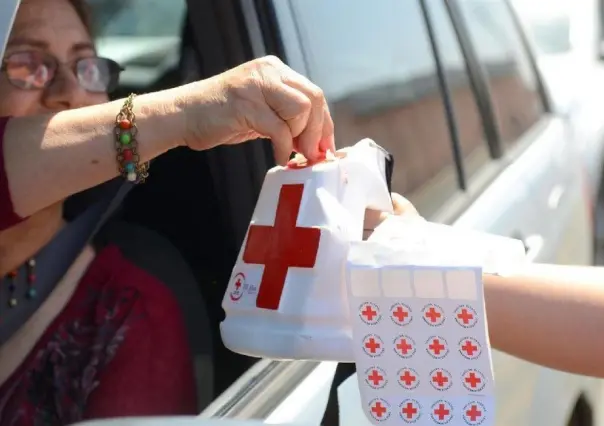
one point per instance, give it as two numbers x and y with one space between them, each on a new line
54 260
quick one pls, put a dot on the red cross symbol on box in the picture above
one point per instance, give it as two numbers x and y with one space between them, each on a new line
404 346
433 315
474 381
442 412
408 378
375 377
437 347
466 316
441 379
410 410
373 345
280 247
379 409
470 348
474 413
400 314
370 313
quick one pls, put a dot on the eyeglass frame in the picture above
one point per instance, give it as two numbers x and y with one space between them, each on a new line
71 65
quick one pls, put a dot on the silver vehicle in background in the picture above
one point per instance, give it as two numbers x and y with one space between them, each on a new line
494 111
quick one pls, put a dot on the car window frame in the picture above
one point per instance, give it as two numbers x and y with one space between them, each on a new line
485 96
503 156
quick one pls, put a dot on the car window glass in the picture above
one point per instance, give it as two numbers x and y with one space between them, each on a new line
142 35
548 27
375 64
511 78
470 131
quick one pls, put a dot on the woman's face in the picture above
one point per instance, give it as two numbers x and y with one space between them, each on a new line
50 29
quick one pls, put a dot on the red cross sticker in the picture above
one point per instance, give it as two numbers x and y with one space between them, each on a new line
404 346
437 347
433 315
473 380
373 345
370 313
280 247
408 378
470 348
441 379
379 409
474 413
400 314
466 316
236 294
442 412
375 377
410 410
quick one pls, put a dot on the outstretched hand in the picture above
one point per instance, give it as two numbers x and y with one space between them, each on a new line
262 98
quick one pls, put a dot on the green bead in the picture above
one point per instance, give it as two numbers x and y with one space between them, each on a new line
32 293
125 138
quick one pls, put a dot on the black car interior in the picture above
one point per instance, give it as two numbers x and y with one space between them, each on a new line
185 224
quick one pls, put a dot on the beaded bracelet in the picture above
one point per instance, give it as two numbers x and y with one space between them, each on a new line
126 144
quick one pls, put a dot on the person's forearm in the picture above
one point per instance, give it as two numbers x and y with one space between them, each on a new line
50 157
550 315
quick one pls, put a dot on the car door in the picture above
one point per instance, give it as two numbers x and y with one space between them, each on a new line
551 218
510 168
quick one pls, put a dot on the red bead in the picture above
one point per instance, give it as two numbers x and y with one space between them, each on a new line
125 124
31 278
12 274
127 155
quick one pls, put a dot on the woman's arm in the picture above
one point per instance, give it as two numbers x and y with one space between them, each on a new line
551 315
50 157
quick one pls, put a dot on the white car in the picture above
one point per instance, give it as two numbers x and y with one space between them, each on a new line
490 128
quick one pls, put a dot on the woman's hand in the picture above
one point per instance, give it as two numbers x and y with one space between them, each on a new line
262 98
373 218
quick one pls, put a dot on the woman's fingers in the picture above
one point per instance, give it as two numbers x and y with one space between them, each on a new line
318 129
259 98
270 125
300 104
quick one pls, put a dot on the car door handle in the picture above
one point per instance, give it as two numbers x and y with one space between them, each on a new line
532 245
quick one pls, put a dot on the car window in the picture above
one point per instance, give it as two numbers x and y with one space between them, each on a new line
142 35
377 69
470 130
511 77
548 27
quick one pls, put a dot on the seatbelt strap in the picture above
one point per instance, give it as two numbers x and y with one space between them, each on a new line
55 259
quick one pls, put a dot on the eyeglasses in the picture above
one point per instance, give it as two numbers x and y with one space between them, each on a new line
35 70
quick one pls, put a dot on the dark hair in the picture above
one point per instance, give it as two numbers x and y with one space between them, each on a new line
83 10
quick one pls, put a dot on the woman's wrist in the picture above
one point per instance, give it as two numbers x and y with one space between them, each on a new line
161 122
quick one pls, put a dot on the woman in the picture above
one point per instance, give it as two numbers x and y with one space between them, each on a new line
109 340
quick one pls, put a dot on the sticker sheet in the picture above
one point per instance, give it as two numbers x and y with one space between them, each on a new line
420 345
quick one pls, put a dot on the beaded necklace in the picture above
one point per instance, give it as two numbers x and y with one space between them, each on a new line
14 278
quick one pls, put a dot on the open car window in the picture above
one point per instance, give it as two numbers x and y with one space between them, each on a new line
142 35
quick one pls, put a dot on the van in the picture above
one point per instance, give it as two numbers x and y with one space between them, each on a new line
491 128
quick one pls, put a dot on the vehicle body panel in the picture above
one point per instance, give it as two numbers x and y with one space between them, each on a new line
540 196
